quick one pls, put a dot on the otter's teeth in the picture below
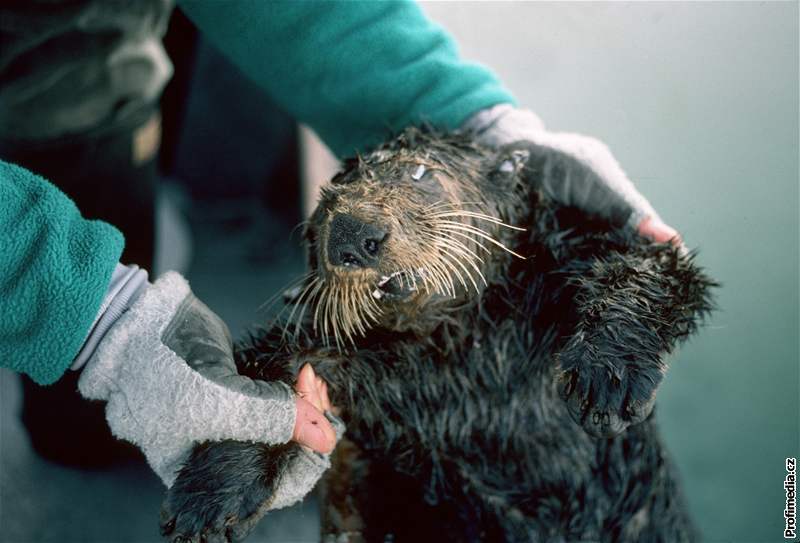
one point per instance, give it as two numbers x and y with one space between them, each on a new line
386 278
410 285
378 293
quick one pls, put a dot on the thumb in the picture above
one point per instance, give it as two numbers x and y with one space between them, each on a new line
311 427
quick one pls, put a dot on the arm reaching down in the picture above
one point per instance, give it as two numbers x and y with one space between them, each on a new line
357 72
160 358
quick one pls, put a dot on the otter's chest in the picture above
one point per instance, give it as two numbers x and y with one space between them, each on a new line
495 398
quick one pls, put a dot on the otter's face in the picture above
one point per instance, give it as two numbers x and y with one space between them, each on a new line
399 233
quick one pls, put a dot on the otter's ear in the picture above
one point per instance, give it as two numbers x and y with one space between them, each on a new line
510 162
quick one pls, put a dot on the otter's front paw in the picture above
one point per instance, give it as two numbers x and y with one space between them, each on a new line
222 491
605 399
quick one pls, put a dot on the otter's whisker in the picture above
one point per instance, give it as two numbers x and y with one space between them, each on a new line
373 305
423 272
370 309
342 310
446 261
476 242
475 215
364 309
355 321
296 305
447 287
466 258
462 235
452 225
267 305
309 299
453 205
445 246
350 324
436 280
375 308
322 295
356 315
334 326
412 277
439 205
455 243
326 316
449 241
448 256
426 279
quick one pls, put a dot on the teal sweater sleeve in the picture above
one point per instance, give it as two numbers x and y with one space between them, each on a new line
355 71
55 267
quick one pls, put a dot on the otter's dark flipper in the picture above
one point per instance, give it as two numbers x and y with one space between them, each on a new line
222 491
632 308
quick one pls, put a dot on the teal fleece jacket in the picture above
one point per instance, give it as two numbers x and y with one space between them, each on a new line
54 269
354 71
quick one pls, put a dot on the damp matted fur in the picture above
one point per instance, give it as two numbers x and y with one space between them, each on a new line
496 369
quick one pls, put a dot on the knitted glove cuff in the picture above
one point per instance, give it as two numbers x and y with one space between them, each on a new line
304 471
127 284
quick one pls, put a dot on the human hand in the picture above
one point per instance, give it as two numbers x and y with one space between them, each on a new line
572 169
312 428
166 370
226 487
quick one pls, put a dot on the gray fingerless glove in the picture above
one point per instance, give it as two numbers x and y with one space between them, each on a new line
571 169
304 471
166 370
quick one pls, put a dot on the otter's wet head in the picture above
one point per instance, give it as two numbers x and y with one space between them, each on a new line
400 233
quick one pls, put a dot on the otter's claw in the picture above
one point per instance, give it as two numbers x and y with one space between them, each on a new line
604 405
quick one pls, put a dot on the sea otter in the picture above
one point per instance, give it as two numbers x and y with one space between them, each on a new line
495 357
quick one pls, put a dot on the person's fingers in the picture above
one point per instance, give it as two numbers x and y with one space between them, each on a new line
323 395
306 386
658 231
312 429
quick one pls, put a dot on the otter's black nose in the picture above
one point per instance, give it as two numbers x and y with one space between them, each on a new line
352 242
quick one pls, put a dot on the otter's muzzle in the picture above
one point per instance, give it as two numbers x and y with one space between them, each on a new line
354 243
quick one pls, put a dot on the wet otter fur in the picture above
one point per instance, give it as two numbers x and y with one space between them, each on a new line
497 383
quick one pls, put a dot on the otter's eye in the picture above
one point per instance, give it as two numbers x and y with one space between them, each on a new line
418 173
